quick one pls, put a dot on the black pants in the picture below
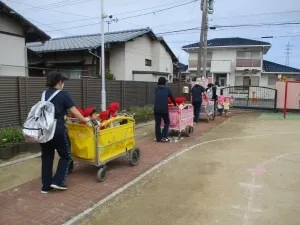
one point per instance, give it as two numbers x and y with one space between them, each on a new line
60 143
158 117
197 107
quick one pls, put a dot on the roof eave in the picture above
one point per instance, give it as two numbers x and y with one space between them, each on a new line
282 72
32 32
229 46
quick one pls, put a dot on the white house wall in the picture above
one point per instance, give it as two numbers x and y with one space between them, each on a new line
155 54
117 62
12 53
165 60
140 49
12 48
136 52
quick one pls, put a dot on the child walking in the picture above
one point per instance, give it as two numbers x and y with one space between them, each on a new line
226 106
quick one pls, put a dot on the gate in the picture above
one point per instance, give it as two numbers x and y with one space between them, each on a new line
252 97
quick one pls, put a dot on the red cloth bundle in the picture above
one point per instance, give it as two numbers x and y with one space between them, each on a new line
179 100
169 101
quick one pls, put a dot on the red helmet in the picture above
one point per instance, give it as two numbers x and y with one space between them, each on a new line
79 109
89 111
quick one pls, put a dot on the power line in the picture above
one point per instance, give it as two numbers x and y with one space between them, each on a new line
56 5
255 25
92 18
37 7
144 14
257 14
160 10
139 10
176 31
49 26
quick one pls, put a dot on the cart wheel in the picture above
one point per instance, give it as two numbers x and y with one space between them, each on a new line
190 130
134 156
71 166
179 136
101 175
213 115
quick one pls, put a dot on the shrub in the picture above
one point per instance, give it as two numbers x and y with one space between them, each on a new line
109 75
141 111
10 135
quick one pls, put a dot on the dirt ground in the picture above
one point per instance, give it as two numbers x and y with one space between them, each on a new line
243 172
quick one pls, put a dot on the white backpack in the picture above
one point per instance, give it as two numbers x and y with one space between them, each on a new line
209 93
40 124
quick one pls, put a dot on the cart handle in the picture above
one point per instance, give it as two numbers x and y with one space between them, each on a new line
187 106
114 119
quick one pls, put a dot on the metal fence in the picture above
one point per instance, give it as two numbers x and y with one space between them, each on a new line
19 94
252 97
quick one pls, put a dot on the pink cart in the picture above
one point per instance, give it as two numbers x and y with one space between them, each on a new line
207 110
181 119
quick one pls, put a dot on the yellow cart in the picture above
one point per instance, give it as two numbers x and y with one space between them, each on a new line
98 147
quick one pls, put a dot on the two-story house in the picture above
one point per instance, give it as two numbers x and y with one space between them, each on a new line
238 62
137 55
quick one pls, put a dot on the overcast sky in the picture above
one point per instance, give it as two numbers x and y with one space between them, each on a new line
74 13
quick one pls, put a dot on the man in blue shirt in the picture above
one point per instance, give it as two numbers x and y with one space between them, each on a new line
196 92
161 110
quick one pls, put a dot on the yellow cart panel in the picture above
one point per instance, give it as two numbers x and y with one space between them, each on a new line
104 145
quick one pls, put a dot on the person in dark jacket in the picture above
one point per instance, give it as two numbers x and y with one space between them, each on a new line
60 142
161 110
196 92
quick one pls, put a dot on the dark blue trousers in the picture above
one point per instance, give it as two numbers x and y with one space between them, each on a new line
158 117
61 144
197 107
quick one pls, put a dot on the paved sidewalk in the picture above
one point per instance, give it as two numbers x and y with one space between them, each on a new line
25 205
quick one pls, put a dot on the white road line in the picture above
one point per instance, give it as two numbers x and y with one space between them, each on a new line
137 179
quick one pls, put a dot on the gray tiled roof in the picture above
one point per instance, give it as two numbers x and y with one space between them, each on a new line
86 41
271 67
236 41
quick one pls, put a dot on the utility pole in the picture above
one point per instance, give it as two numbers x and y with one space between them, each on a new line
203 7
288 49
103 92
205 46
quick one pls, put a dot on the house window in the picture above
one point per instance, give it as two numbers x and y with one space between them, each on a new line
272 80
148 62
244 55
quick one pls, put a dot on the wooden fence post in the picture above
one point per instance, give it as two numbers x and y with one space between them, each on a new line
122 94
20 101
147 94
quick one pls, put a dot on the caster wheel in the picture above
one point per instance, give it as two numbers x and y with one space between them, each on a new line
179 137
134 157
71 167
190 130
101 175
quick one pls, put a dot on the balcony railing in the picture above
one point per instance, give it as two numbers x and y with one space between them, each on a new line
248 63
193 63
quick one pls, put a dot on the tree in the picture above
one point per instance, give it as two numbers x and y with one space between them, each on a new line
109 75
